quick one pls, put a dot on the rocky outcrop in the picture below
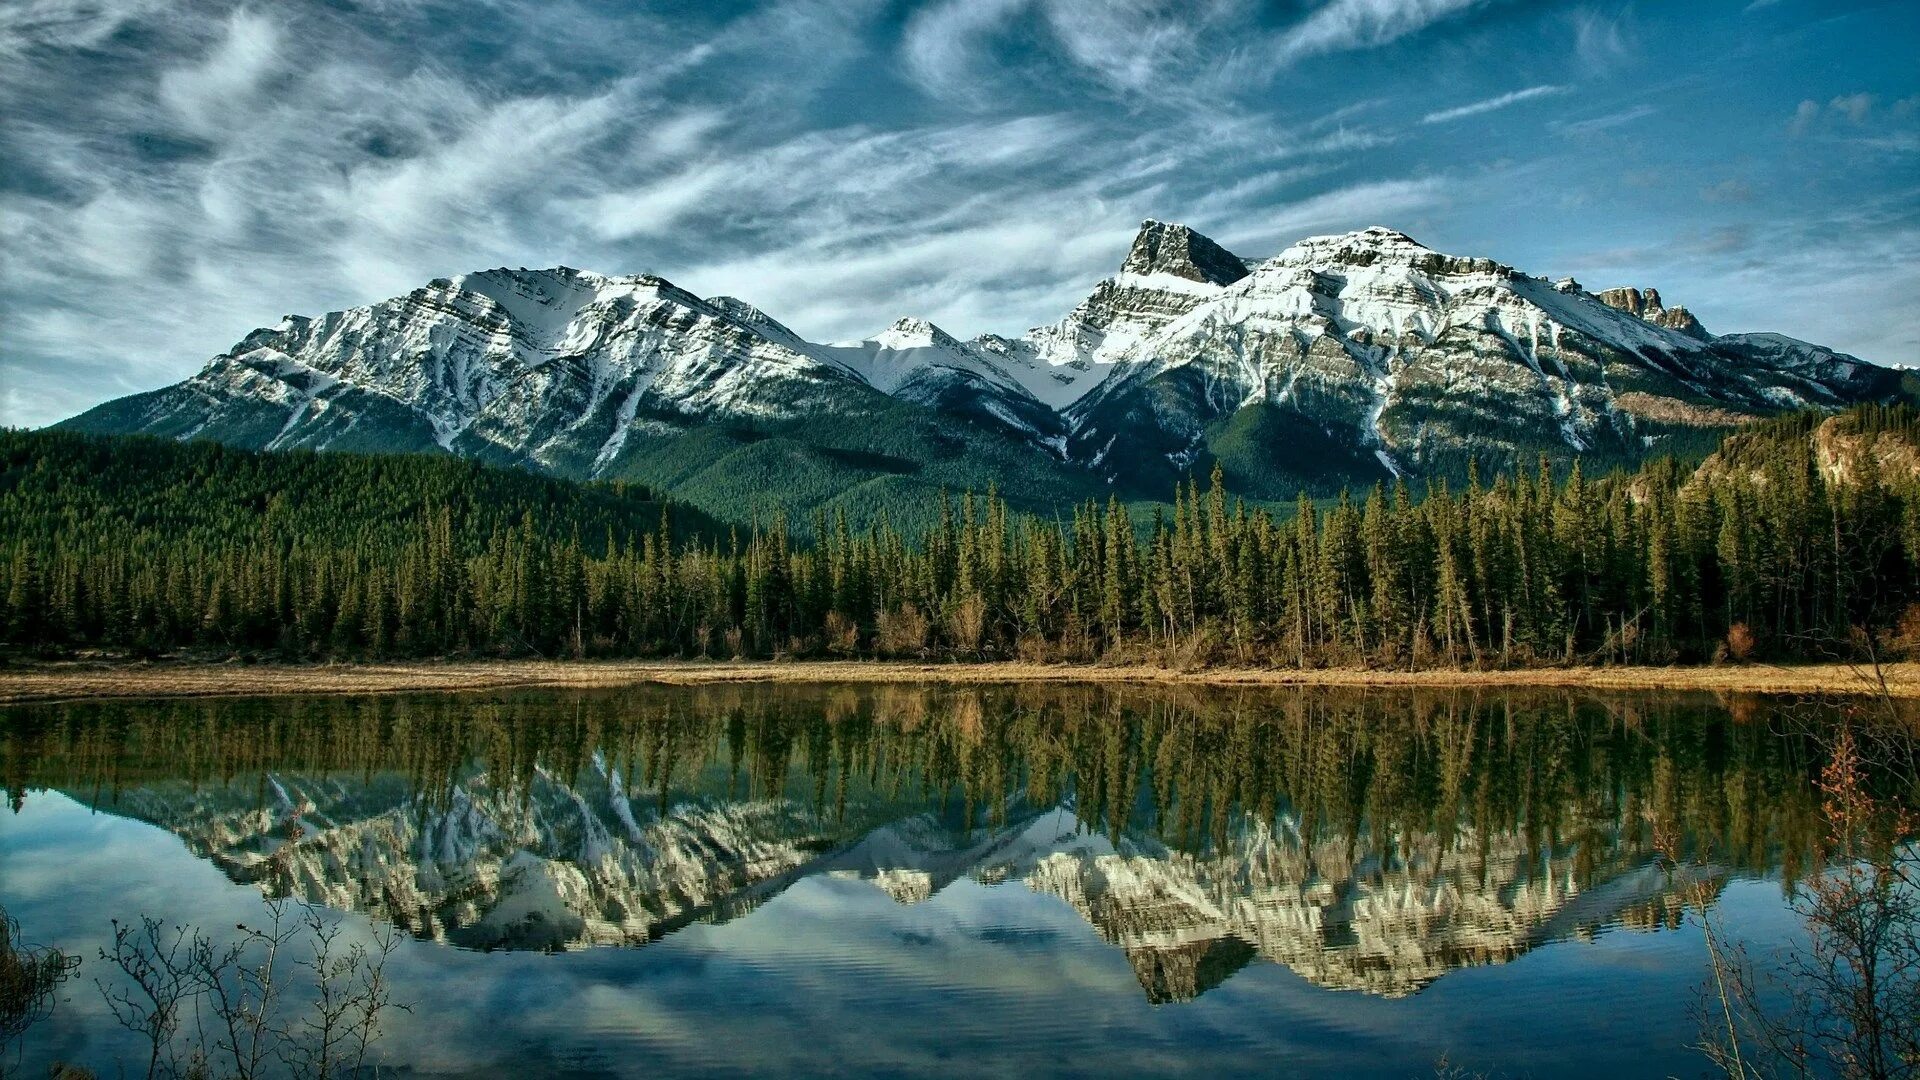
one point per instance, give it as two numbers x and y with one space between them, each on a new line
1645 304
1847 452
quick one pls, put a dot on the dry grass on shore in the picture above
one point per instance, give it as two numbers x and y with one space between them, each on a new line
81 680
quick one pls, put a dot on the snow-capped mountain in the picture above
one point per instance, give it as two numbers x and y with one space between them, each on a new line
553 368
1371 342
1343 358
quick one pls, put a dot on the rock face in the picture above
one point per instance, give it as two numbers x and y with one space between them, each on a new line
1344 358
1847 452
1159 248
1645 303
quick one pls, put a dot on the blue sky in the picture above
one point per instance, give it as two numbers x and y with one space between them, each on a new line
174 173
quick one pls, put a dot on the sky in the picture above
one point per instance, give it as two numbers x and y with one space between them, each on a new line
174 173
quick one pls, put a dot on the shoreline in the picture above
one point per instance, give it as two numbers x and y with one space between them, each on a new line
108 680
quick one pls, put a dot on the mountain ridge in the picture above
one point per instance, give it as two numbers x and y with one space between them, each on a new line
1341 360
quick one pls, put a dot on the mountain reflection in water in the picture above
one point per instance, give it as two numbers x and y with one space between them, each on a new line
1367 841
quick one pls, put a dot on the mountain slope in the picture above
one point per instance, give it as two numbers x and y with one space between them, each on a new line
141 494
1342 360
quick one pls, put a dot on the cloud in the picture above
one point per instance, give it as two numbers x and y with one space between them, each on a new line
1603 43
80 24
1857 110
207 95
1812 278
1607 122
1139 45
1904 142
1189 55
1724 241
1379 202
941 44
1488 105
1804 117
1854 107
162 200
1341 25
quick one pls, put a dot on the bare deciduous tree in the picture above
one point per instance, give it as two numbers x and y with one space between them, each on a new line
1847 1003
209 1008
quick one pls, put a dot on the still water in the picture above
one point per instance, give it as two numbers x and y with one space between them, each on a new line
933 881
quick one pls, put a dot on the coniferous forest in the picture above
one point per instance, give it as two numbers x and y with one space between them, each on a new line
1798 539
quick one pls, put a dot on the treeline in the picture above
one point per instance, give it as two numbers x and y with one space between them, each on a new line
1792 541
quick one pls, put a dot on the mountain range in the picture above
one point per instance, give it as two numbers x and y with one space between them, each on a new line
1342 360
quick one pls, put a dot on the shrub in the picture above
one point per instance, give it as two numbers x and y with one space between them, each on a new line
967 623
903 632
1740 642
843 634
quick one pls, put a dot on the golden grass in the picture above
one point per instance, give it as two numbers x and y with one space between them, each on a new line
82 680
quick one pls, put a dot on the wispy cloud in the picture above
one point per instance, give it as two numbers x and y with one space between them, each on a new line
1603 42
941 44
175 172
1810 278
1491 104
207 94
1185 53
1606 122
1804 117
1341 25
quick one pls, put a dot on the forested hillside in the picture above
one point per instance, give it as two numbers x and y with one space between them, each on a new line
1799 538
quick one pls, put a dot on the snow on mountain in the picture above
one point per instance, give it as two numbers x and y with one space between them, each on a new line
914 360
1167 272
554 368
1371 340
1344 357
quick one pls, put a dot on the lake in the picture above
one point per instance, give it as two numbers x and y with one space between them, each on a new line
889 880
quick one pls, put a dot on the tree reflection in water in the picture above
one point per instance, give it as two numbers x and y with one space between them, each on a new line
1367 840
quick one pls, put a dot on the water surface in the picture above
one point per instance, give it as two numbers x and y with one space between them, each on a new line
956 881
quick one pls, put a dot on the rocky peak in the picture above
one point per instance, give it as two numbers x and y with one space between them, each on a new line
1646 304
1630 300
910 333
1379 245
1162 248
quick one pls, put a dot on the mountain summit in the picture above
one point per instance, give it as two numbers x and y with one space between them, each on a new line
1343 359
1160 248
